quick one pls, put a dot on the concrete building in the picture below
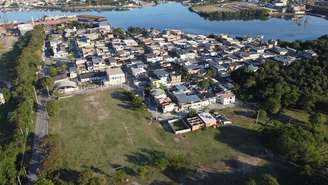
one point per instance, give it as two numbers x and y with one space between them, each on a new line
226 98
115 76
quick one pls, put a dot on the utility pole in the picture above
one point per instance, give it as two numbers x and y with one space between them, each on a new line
18 180
48 91
36 96
257 117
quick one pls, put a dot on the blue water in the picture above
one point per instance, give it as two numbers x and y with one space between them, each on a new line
177 16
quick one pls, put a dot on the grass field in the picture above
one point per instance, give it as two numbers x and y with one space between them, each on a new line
101 131
6 44
6 56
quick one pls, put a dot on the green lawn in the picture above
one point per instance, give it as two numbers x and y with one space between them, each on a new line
7 43
7 57
101 131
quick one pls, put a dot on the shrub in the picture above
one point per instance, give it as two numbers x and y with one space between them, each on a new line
52 108
119 176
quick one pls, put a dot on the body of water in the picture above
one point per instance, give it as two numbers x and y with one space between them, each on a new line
177 16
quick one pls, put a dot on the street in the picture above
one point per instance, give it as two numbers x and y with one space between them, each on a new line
41 130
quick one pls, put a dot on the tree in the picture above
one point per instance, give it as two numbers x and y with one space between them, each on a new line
269 180
263 116
294 142
178 162
205 84
210 73
47 82
192 113
50 149
119 32
272 105
315 118
317 127
24 65
250 182
137 102
63 67
53 71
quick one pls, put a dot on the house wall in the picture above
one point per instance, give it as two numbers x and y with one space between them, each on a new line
227 101
116 79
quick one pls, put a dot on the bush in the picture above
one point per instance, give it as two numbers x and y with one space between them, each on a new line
251 182
137 102
143 171
269 180
119 176
178 162
53 71
162 163
44 181
52 108
47 83
88 177
192 113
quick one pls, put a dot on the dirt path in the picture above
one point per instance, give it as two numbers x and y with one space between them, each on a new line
128 134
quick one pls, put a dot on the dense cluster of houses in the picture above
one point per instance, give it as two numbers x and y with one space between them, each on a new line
176 70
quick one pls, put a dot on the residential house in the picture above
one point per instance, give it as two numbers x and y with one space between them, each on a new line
226 98
115 76
66 86
93 77
174 78
208 119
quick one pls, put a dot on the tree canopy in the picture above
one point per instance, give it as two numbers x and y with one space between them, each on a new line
18 113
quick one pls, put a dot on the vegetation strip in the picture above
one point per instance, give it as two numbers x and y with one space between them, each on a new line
18 114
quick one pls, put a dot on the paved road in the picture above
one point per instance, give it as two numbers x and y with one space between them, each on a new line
41 130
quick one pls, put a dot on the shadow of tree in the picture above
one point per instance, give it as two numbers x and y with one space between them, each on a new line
145 157
242 139
246 113
165 125
287 119
8 61
63 175
124 100
97 170
119 95
236 173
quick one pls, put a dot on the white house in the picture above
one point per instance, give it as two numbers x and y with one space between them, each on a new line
130 42
226 98
2 99
115 76
66 86
137 71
